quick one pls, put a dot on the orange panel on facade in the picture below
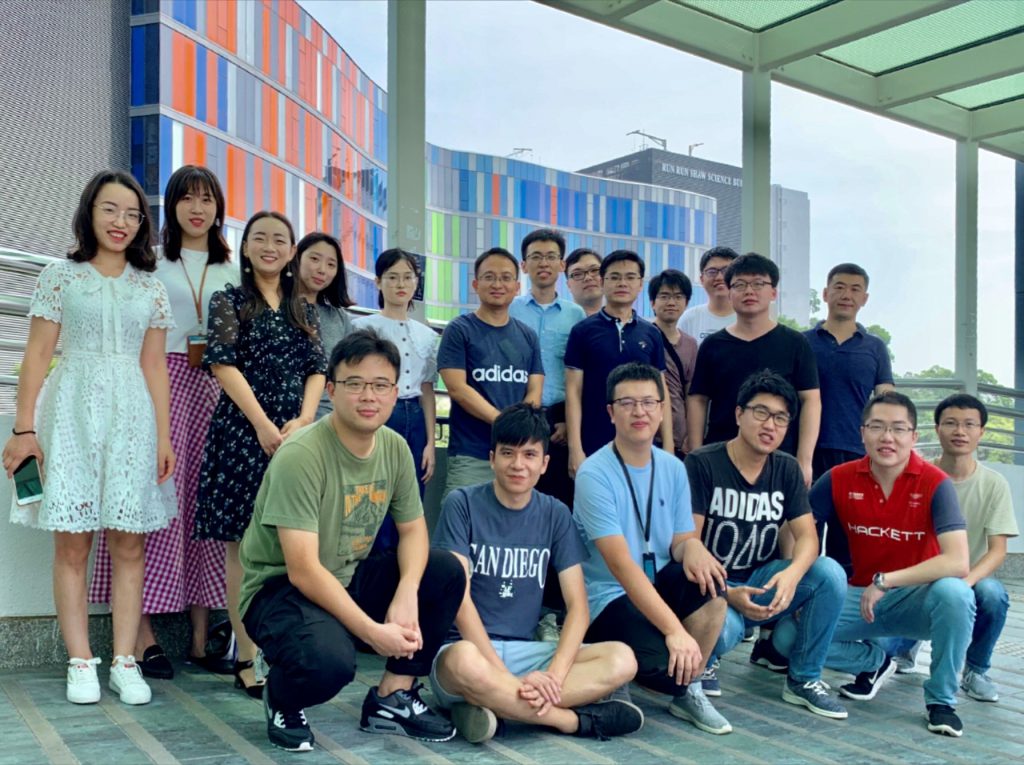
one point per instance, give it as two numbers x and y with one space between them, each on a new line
265 34
350 172
235 186
200 147
230 11
309 224
257 185
270 109
360 128
495 194
277 195
553 218
361 243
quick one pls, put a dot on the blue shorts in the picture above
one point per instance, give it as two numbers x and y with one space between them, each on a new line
520 657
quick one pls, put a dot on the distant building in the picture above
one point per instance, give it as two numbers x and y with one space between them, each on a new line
790 213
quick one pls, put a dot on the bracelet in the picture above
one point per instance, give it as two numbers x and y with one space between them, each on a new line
22 432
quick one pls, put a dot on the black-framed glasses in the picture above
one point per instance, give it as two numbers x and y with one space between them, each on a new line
757 286
647 404
898 429
581 274
356 385
762 413
713 273
545 258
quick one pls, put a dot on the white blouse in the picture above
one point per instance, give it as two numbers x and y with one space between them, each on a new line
183 306
417 348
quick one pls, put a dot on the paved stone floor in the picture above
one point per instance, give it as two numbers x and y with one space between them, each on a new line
200 718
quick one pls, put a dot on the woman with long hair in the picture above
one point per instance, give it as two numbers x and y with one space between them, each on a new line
99 426
322 282
263 346
194 262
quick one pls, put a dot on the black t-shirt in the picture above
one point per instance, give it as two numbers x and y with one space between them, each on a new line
725 361
742 519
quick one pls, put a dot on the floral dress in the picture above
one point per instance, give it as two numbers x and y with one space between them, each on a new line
275 358
95 417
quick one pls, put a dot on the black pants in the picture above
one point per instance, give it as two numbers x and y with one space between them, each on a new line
621 620
312 655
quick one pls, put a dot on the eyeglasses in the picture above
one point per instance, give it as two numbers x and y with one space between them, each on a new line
356 385
627 278
762 413
580 275
713 273
969 426
898 429
497 278
742 286
399 278
549 258
113 212
647 404
670 297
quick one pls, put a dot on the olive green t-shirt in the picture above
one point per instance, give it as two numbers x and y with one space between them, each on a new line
314 483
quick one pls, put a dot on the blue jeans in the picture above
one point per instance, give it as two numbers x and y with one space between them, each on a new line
407 421
819 597
991 603
942 612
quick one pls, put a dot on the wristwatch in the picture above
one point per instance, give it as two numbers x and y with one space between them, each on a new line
879 581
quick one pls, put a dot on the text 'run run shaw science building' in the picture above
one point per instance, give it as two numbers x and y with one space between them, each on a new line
260 93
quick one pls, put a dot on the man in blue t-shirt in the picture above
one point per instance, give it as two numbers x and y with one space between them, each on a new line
488 361
614 335
633 506
743 491
508 536
853 366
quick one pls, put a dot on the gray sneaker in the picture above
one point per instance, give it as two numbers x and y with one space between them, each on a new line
694 707
547 630
815 696
476 724
906 663
978 686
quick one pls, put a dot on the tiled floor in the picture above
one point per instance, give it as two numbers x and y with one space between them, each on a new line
200 718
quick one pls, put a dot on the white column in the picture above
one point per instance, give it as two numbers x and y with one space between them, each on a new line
755 200
407 184
966 289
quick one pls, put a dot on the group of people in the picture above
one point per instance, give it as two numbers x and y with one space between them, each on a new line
625 500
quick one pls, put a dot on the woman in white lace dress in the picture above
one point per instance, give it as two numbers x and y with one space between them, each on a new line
99 425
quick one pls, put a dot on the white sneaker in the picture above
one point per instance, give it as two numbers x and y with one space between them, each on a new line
83 683
126 681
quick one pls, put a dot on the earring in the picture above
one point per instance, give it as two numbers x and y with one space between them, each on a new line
216 222
288 273
247 270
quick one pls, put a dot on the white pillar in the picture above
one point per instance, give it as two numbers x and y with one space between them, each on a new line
966 289
755 201
407 186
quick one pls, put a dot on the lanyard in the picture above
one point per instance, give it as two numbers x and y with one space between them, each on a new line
645 529
197 299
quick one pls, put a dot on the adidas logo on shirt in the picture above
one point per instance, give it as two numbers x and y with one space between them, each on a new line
498 374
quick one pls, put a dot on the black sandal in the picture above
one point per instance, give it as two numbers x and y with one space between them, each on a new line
256 689
218 666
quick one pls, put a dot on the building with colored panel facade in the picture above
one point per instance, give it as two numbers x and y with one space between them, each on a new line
258 92
476 201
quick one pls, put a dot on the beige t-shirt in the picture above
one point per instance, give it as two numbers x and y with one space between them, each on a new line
314 483
988 508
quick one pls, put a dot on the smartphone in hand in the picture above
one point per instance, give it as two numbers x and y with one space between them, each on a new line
28 484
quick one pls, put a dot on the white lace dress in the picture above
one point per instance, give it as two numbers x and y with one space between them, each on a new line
94 415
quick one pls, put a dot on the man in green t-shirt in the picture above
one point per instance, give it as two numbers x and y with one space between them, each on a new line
311 593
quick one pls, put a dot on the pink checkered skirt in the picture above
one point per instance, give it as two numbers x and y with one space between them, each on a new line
180 571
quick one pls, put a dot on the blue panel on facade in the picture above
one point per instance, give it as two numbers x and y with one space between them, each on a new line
531 201
222 93
138 66
649 214
676 257
464 279
185 12
201 83
698 226
714 229
464 190
166 142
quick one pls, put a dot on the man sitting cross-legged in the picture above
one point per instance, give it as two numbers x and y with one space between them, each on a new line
743 490
506 534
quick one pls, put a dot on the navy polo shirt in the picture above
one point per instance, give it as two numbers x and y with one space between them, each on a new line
848 374
596 346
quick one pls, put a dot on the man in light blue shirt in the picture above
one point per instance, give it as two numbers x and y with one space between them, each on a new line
551 317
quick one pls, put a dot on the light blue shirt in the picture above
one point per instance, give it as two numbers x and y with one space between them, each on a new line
552 323
603 508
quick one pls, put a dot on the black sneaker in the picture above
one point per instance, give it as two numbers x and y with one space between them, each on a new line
155 664
943 719
764 654
287 730
405 714
605 719
866 686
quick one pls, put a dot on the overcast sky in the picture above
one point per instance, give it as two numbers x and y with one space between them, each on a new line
502 75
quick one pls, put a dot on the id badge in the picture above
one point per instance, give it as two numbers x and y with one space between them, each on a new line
649 566
196 349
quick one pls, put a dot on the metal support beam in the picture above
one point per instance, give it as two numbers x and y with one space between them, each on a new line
994 121
755 201
1018 280
836 24
407 166
981 63
966 287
